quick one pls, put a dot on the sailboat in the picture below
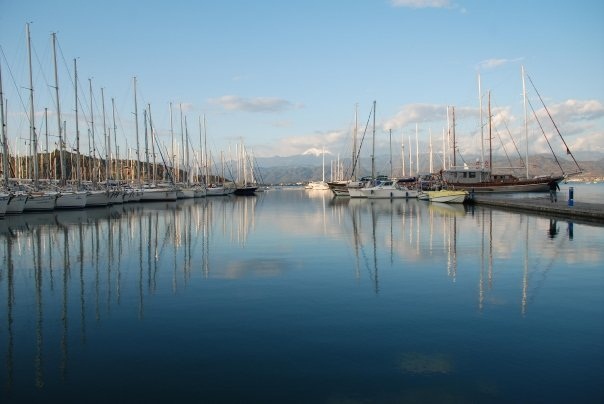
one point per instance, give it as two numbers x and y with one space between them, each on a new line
37 199
483 179
320 185
246 186
11 202
70 198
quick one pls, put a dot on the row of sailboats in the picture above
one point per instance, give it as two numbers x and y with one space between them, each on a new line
104 184
387 187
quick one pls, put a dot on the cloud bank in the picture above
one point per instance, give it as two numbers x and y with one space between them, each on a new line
258 104
421 3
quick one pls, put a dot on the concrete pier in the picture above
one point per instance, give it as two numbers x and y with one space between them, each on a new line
580 210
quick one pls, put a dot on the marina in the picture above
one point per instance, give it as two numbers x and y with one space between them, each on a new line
296 296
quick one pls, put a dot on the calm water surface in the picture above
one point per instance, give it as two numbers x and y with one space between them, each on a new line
292 296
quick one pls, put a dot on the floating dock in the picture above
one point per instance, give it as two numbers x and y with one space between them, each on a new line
593 212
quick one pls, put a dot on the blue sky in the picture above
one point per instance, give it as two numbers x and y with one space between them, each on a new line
285 76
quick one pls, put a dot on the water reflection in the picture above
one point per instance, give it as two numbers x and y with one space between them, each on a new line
73 280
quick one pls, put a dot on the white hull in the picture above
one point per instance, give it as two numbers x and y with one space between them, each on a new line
388 193
447 196
340 191
185 193
16 204
355 193
132 195
158 194
216 191
71 200
40 201
199 192
319 185
97 198
4 199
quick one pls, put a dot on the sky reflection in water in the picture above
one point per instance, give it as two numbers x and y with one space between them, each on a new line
292 295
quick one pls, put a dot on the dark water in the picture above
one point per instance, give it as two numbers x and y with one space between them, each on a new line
292 296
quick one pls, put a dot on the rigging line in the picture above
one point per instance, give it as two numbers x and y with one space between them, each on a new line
505 123
545 136
14 81
503 146
554 123
358 154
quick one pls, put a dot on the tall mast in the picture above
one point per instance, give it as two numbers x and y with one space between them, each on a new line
526 161
117 150
5 155
107 141
354 142
146 145
32 128
453 134
390 143
403 152
490 134
205 152
152 144
173 156
186 154
481 124
92 134
410 158
59 127
138 160
182 142
47 174
78 166
416 150
431 169
373 145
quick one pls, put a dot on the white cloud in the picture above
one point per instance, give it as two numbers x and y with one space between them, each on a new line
494 63
416 113
421 3
576 110
258 104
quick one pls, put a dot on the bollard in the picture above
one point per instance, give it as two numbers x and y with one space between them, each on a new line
571 196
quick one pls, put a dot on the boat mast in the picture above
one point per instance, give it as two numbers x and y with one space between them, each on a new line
92 135
526 156
146 146
186 155
373 146
403 152
59 128
152 144
32 128
205 152
107 141
117 149
5 155
416 150
173 155
490 134
481 125
390 143
453 134
138 159
431 169
354 141
78 165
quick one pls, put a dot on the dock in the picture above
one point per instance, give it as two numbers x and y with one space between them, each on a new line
592 212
